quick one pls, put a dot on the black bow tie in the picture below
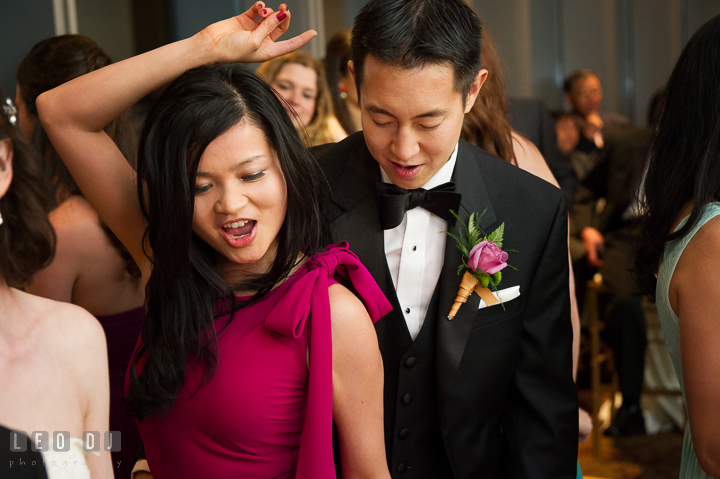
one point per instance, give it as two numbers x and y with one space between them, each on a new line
395 201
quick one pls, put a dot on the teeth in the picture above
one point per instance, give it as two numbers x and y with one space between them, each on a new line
237 224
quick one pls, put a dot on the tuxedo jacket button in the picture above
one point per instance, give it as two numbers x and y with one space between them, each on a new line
405 433
410 362
402 467
407 398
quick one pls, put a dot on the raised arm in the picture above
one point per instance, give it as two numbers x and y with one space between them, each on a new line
75 113
357 388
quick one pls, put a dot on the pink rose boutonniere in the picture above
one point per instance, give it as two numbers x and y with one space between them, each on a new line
483 259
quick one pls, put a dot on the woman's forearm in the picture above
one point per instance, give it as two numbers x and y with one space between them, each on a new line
92 101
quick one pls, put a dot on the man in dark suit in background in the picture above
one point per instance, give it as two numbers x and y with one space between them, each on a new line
531 118
490 393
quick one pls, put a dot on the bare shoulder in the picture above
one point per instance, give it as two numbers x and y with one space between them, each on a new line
345 306
351 322
76 223
701 253
697 274
78 332
73 209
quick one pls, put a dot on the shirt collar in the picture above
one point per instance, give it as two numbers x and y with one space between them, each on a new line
443 175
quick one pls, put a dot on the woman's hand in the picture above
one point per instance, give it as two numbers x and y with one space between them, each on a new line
241 39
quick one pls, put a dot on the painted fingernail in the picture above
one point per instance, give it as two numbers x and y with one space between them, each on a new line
281 16
284 5
264 12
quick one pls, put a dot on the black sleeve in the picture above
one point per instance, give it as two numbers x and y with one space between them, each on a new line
540 420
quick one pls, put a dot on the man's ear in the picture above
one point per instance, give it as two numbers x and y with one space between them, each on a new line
6 153
475 89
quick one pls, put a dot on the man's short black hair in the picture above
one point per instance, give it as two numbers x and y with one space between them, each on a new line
413 33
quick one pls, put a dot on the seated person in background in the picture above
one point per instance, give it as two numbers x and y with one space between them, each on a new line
567 131
300 80
568 137
53 358
91 268
583 93
341 82
609 236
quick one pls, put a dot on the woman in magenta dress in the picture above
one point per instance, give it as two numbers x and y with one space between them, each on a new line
253 341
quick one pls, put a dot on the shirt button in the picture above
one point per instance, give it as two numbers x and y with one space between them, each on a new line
407 398
404 433
414 248
402 467
410 362
407 310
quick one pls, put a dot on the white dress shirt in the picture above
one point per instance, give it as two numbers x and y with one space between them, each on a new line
415 251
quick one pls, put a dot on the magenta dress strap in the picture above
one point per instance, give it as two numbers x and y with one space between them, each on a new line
291 315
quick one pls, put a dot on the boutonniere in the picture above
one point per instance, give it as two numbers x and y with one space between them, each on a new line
483 259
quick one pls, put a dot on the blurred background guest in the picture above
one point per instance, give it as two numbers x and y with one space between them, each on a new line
341 82
300 80
53 359
531 118
609 235
91 268
583 93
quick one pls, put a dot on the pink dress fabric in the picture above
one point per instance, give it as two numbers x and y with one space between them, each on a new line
265 413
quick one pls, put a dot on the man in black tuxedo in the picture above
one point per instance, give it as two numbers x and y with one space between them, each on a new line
489 393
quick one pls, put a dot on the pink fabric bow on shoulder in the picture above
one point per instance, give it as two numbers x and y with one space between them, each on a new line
292 314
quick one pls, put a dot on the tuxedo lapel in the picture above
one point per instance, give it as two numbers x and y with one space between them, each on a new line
360 226
452 334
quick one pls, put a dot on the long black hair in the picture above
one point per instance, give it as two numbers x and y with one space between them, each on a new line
27 239
685 159
184 288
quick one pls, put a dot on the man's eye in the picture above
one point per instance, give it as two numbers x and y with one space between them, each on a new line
254 176
429 127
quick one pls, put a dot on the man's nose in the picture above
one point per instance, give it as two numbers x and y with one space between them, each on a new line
404 145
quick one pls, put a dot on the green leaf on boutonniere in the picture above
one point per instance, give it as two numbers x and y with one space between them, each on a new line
496 278
497 235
